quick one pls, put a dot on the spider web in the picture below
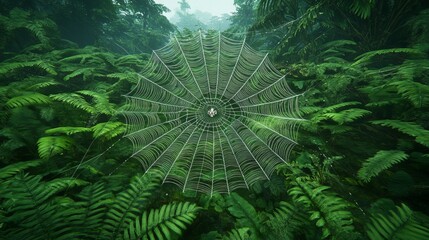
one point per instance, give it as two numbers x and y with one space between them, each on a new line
212 114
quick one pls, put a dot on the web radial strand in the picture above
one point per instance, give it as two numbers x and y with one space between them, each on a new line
211 114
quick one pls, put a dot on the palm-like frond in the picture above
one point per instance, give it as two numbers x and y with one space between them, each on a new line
28 99
53 145
398 224
409 128
381 161
127 205
245 213
32 213
12 169
327 210
162 223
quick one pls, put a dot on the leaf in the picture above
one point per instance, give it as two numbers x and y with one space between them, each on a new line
367 57
398 224
68 130
381 161
409 128
12 169
28 99
108 130
170 219
51 146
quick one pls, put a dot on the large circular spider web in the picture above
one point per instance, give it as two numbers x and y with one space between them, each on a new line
211 114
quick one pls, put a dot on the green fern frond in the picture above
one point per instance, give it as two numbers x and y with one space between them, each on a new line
237 234
381 161
60 184
367 57
161 223
85 72
95 200
245 213
33 212
51 146
362 8
108 130
12 169
102 103
82 58
68 130
28 99
17 66
41 85
398 224
344 116
416 93
327 210
409 128
286 220
128 204
338 106
128 76
74 100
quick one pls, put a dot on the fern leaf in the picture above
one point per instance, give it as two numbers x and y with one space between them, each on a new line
366 57
286 220
398 224
244 212
108 130
74 100
28 99
12 169
95 200
345 116
381 161
237 234
102 103
128 204
416 93
51 146
161 223
339 105
328 211
16 66
362 8
67 130
85 72
409 128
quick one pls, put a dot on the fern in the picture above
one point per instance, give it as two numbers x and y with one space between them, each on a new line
161 223
74 100
286 220
12 169
102 104
108 130
238 234
95 200
416 93
338 106
409 128
51 146
33 213
17 66
328 211
398 224
28 99
362 8
67 130
381 161
127 205
367 57
345 116
85 72
245 213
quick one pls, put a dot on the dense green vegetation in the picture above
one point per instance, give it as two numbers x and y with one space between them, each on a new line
360 171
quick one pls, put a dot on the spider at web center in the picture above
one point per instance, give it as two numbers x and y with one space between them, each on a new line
212 112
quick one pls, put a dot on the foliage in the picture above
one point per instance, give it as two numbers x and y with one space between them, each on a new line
398 224
162 223
381 161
